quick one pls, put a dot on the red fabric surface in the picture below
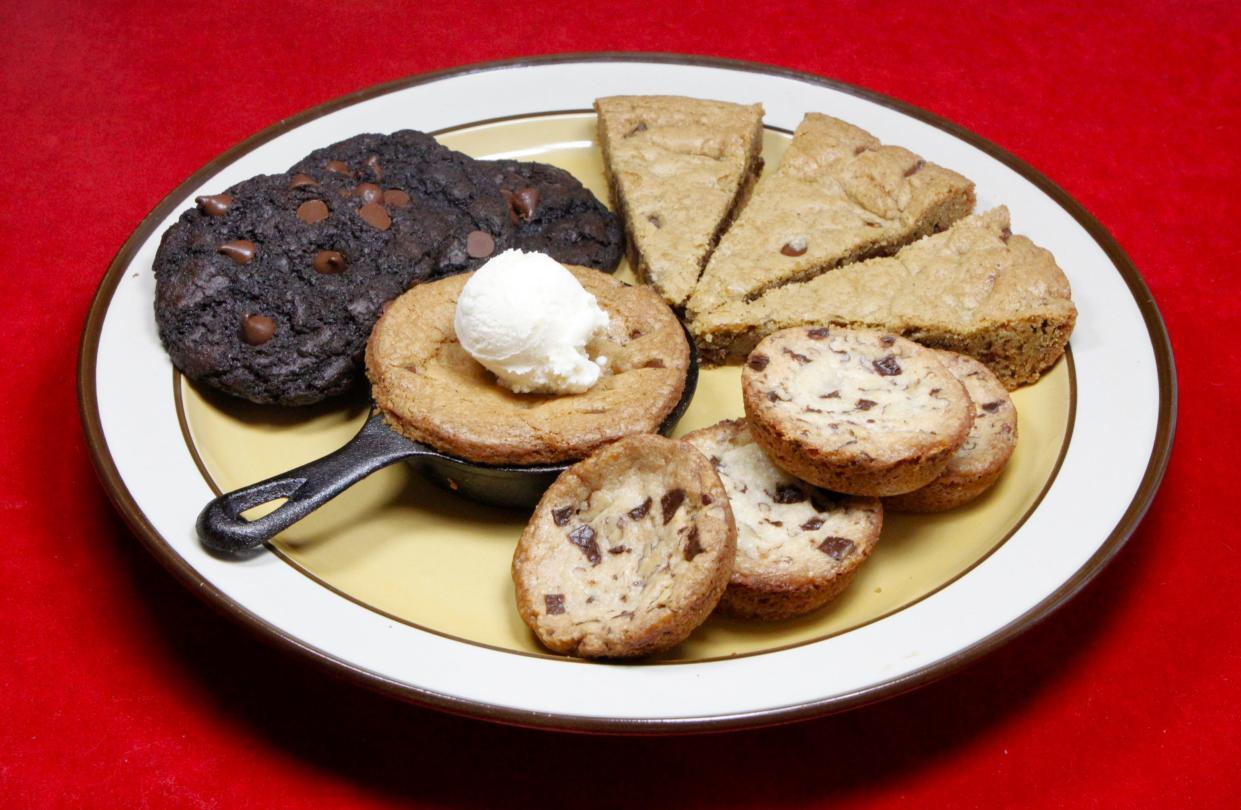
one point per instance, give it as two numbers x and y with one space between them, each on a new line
120 688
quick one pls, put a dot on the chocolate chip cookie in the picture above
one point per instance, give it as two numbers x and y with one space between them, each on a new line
627 552
798 546
856 411
269 289
990 443
555 214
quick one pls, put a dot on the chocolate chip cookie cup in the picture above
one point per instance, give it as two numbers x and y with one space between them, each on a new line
431 390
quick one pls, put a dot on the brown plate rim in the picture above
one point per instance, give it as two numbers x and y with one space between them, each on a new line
124 502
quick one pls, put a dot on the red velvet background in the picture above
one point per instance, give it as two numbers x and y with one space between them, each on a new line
120 688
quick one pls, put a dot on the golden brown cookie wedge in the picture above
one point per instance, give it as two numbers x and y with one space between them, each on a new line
977 289
991 440
627 552
678 170
855 411
798 547
838 196
431 390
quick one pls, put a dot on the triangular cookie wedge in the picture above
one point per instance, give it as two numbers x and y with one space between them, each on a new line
678 169
838 196
975 289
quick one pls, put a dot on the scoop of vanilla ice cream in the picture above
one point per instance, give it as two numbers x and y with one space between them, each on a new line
528 320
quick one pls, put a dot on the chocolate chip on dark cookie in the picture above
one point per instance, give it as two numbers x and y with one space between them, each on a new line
329 261
479 244
216 205
373 214
395 197
240 251
257 329
368 193
312 211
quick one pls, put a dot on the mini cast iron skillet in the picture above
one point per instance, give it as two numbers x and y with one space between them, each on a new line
375 446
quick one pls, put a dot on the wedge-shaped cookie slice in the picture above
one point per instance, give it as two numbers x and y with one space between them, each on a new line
990 443
838 196
976 289
854 411
798 546
678 170
627 552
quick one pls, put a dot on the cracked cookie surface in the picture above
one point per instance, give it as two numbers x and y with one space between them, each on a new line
798 546
431 390
856 411
987 448
627 552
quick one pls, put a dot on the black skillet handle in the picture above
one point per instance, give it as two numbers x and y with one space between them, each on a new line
221 527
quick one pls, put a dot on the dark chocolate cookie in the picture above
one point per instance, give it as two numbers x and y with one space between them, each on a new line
555 214
269 290
417 164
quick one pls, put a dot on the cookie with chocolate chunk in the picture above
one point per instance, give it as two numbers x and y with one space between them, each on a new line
627 552
268 290
555 214
798 546
990 443
856 411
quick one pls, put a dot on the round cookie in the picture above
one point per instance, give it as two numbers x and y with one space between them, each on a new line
855 411
433 175
555 214
987 448
268 290
627 552
509 203
432 391
798 547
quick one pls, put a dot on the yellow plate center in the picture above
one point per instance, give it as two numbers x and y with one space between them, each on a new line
399 545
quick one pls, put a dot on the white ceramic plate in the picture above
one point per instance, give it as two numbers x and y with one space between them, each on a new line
1109 470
